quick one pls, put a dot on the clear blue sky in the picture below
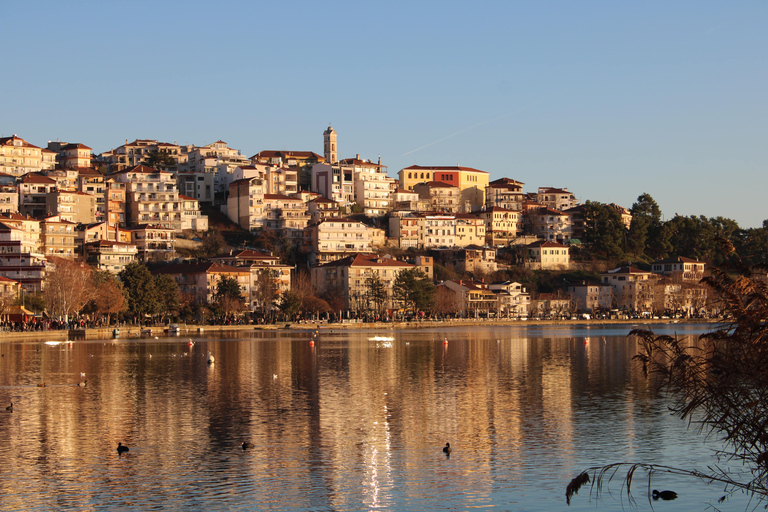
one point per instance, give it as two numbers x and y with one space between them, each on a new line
609 99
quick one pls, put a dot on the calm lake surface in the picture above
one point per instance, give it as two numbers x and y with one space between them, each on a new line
351 423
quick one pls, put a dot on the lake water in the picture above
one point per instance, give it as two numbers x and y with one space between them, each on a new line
349 423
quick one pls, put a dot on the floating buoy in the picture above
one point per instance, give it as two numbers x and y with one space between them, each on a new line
311 343
445 341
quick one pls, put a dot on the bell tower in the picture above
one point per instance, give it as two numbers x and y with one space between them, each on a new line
329 145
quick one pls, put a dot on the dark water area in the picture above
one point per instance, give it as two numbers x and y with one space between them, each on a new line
344 420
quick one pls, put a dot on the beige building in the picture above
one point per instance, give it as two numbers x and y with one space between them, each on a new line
287 215
198 281
404 230
90 181
512 299
300 161
440 197
590 297
20 255
208 159
58 237
259 263
471 182
333 239
406 200
470 230
191 218
9 199
372 187
471 299
114 193
73 155
321 208
33 189
245 203
71 205
349 278
110 255
545 255
549 224
504 193
437 230
501 225
18 157
556 198
680 268
136 153
633 289
151 197
154 243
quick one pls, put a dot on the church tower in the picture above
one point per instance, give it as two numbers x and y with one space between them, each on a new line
329 146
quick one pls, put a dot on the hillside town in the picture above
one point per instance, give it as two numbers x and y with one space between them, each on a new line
339 231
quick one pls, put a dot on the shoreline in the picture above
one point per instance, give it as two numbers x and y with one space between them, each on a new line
135 332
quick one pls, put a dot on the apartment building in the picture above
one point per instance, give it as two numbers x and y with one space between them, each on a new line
404 229
287 215
501 225
590 297
332 239
556 198
245 203
472 299
151 197
549 224
198 281
71 155
372 187
191 217
436 230
132 154
90 181
348 278
470 230
546 255
20 258
321 208
71 205
440 197
58 237
633 289
504 193
9 198
114 199
680 268
259 264
33 190
18 157
154 243
110 255
512 299
300 161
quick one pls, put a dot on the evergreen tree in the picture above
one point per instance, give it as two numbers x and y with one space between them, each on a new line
142 292
414 290
604 231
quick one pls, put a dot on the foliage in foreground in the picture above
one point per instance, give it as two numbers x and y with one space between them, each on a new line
719 383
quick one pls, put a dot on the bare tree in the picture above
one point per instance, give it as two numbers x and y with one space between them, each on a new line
265 292
67 288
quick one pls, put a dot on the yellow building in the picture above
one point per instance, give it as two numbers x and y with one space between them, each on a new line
471 182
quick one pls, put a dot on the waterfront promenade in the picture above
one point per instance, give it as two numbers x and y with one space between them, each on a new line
189 330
